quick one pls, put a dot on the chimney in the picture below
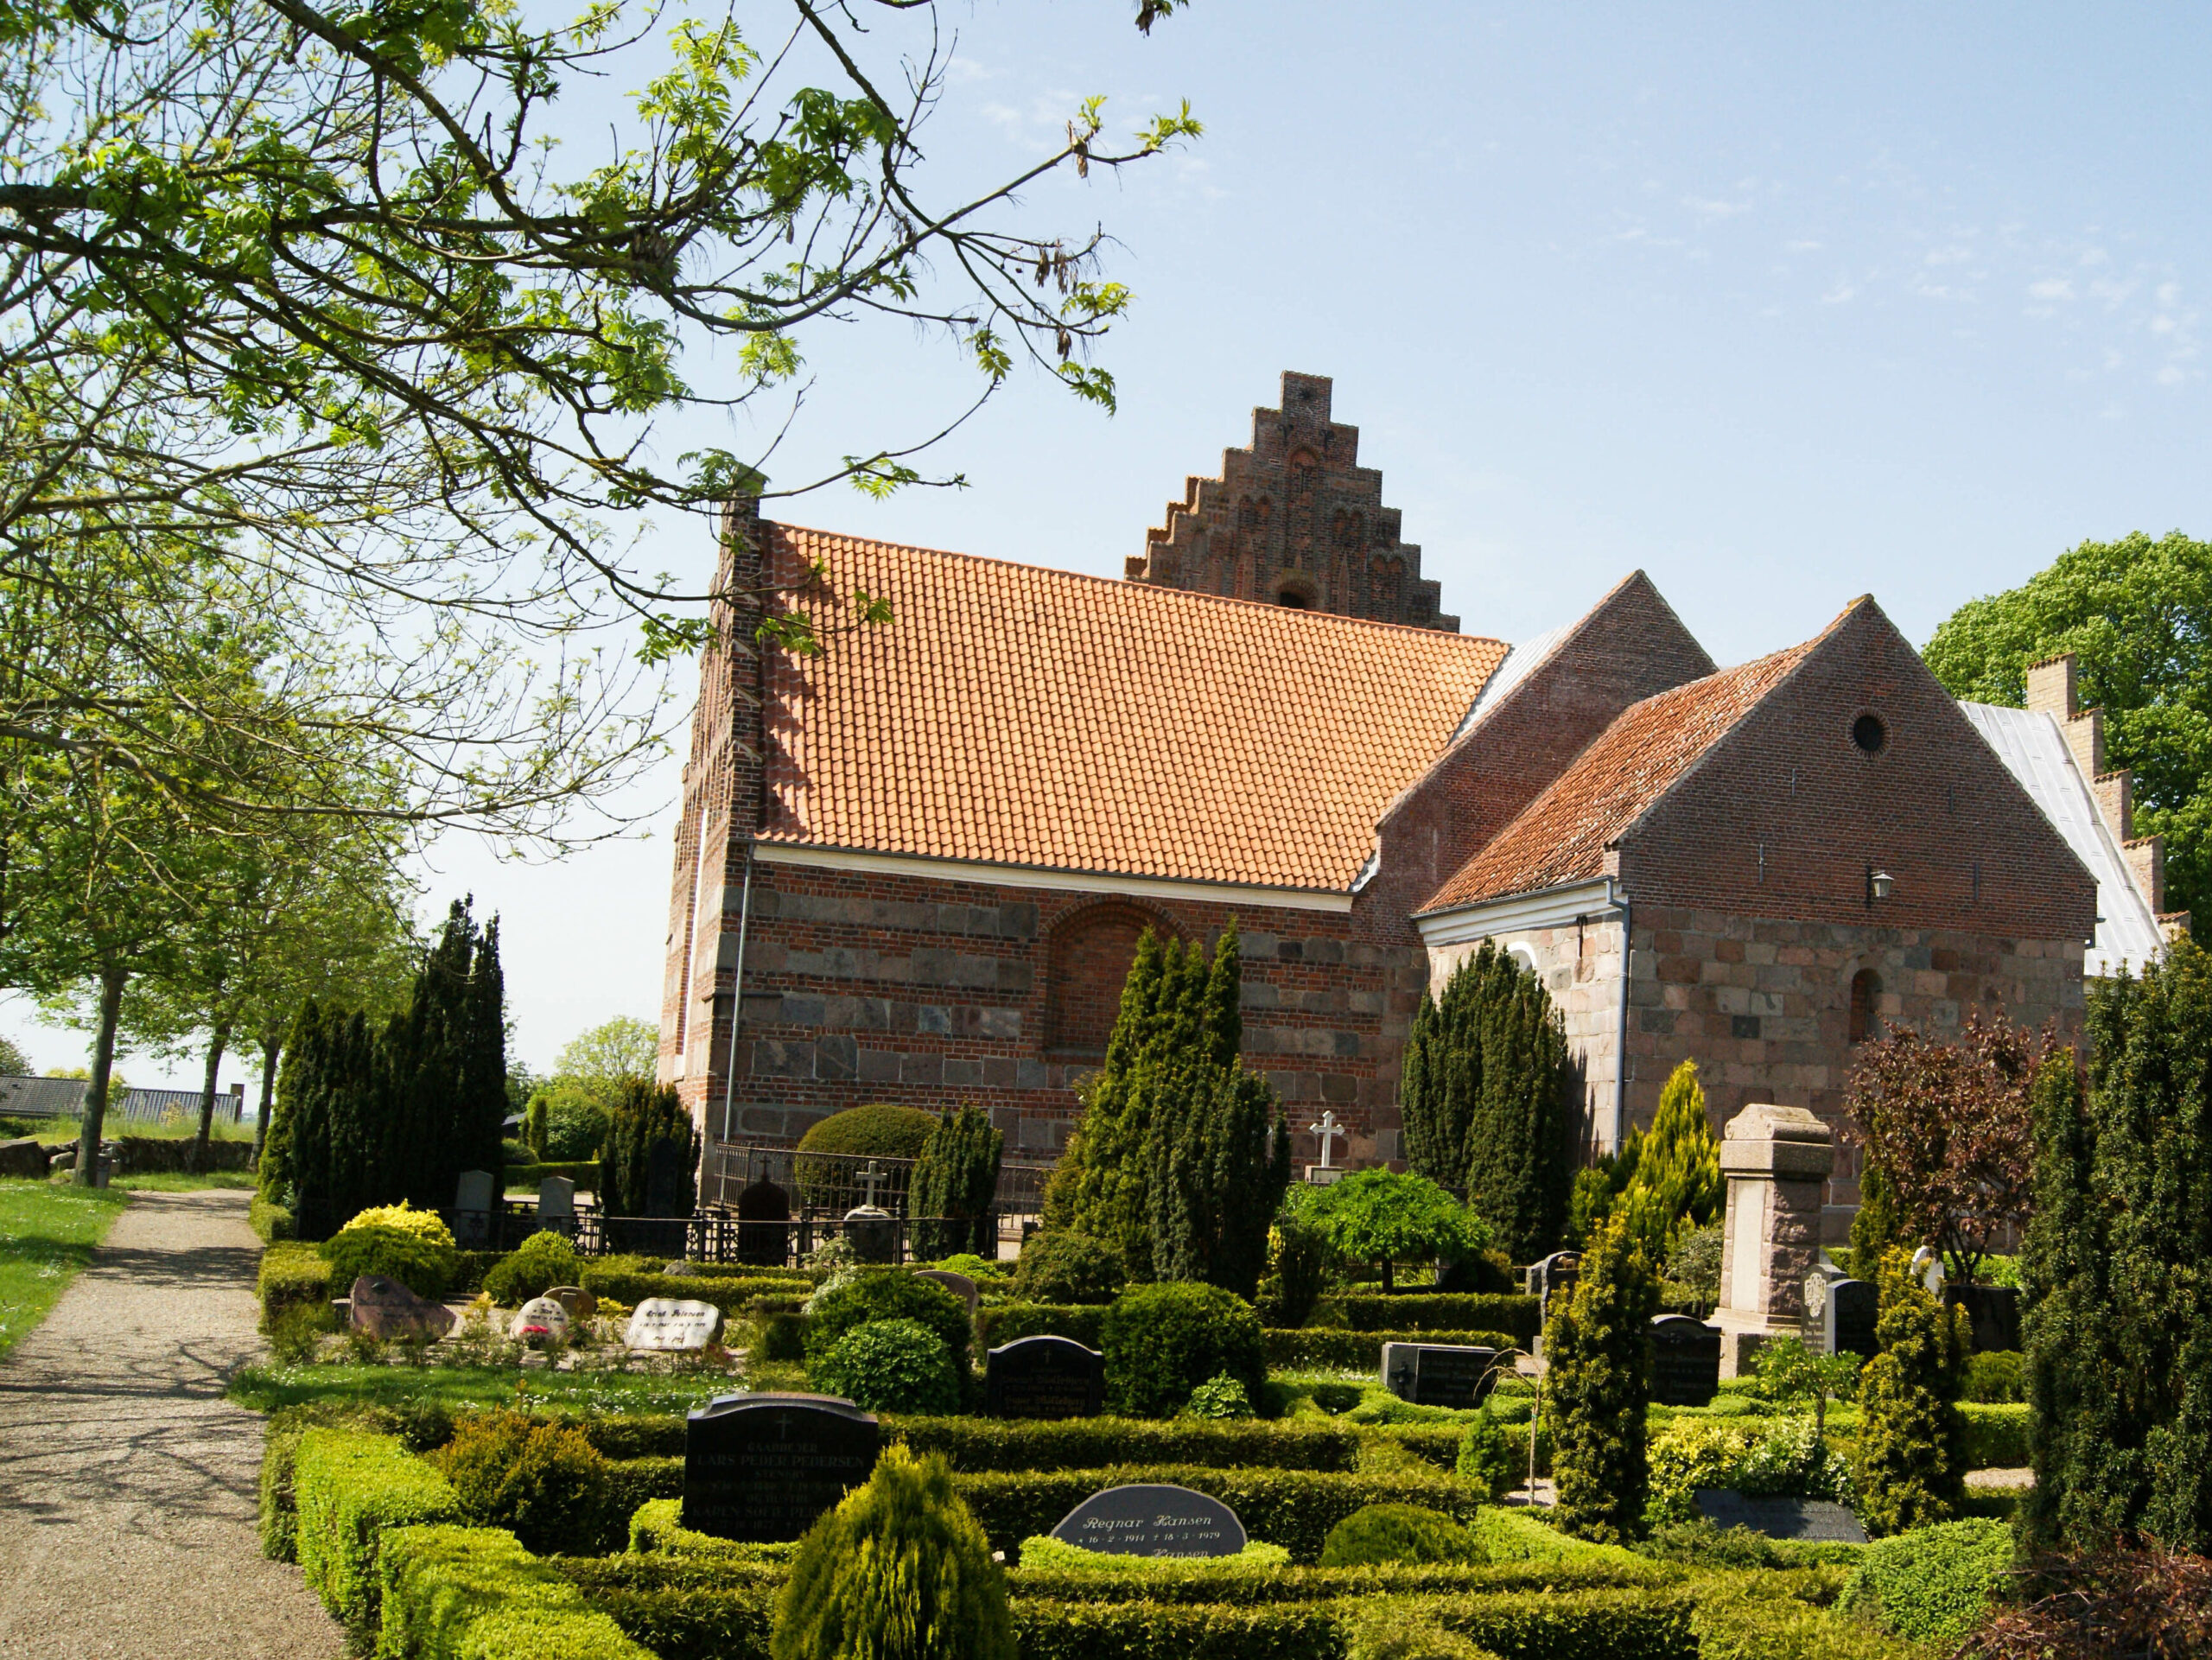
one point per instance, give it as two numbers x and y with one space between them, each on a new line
2147 859
2051 687
2115 800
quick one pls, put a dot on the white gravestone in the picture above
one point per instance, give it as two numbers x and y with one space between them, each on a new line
1777 1160
1324 1174
673 1326
557 1200
541 1318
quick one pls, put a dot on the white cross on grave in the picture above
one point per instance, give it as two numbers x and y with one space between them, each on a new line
870 1178
1328 1130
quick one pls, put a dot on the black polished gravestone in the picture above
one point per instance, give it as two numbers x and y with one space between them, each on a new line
1153 1521
1818 1519
1685 1361
1439 1374
1992 1312
1846 1318
1044 1377
764 1466
763 1232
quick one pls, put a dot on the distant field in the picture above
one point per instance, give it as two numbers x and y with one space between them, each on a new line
47 1233
66 1129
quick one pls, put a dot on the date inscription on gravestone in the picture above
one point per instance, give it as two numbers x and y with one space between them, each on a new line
764 1466
1044 1377
1153 1521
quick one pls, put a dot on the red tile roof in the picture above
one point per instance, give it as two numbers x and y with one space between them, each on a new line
1021 716
1562 835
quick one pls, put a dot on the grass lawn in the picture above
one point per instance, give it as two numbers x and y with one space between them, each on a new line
47 1233
242 1180
264 1389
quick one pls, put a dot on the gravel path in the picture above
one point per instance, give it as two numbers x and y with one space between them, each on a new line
127 1482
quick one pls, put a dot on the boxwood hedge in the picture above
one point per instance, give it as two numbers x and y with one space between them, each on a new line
1318 1347
474 1594
1429 1312
349 1490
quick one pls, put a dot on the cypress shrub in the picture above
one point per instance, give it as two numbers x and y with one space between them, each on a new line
1220 1160
955 1185
649 1124
2119 1333
1909 1470
1163 1341
1597 1386
899 1571
1487 1099
1676 1186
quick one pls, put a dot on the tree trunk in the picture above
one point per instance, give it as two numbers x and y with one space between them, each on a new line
207 1097
269 1048
95 1120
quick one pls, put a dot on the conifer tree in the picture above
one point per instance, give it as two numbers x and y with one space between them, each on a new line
1221 1163
279 1165
1487 1099
1909 1472
1676 1186
306 1172
2116 1264
955 1181
1597 1386
648 1122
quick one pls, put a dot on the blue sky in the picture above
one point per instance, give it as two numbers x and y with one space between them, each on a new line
1782 306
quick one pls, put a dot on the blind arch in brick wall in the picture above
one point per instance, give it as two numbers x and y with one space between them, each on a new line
1090 951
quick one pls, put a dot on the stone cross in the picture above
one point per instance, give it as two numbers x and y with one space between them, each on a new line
870 1179
1328 1130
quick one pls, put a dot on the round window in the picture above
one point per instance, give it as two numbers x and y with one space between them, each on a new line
1869 734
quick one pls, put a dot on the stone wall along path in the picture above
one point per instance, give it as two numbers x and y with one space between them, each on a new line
127 1482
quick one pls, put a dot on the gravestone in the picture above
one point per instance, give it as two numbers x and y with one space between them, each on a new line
1993 1312
556 1204
1044 1377
476 1198
1776 1160
1556 1273
764 1235
1685 1361
1150 1520
23 1157
1818 1519
580 1303
385 1309
541 1319
681 1268
672 1326
765 1466
667 1163
1326 1130
873 1232
958 1284
1439 1374
1839 1314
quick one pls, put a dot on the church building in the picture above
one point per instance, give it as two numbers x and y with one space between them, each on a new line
915 866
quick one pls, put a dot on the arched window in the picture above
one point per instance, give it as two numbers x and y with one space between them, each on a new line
1091 955
1865 992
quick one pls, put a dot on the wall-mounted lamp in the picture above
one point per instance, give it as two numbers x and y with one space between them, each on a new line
1879 883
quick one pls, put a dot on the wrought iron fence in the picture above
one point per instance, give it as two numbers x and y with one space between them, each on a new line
825 1186
714 1237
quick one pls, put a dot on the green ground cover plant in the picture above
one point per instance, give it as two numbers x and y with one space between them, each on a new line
47 1232
1931 1585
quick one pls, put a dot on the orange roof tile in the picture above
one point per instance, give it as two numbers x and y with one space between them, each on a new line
1021 716
1561 837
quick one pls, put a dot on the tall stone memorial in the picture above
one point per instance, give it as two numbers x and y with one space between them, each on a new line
1777 1160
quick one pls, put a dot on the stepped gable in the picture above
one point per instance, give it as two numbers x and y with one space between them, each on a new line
1294 521
1019 716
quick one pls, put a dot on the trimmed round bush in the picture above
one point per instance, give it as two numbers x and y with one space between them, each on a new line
877 1132
984 1270
533 1268
868 1295
1994 1379
1162 1341
544 1481
1219 1396
1491 1460
900 1570
405 1218
422 1265
1930 1584
1069 1267
890 1365
1397 1533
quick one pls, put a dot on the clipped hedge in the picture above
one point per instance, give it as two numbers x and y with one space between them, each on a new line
582 1172
731 1292
1996 1434
474 1594
350 1489
1930 1584
1084 1322
1152 1630
420 1425
1315 1348
1435 1312
1644 1624
270 1220
292 1273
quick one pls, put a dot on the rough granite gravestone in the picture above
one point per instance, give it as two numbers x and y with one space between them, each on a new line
385 1309
1044 1377
542 1318
1818 1519
958 1284
1439 1374
1153 1521
556 1201
1685 1361
672 1326
764 1466
580 1303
